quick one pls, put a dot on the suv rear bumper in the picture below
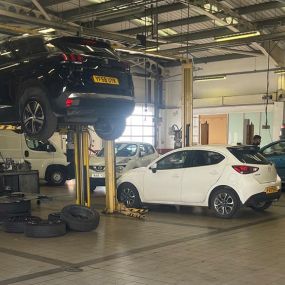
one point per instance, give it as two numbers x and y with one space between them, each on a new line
263 197
88 107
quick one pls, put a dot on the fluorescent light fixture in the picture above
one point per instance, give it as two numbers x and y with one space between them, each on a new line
46 31
280 71
143 21
237 36
153 49
135 52
97 1
209 78
211 8
167 32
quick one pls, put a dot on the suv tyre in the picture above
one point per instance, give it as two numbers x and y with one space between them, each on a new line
37 118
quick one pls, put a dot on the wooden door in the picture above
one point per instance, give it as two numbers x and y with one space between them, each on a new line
217 128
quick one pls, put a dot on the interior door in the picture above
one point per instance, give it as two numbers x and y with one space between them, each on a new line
163 185
205 168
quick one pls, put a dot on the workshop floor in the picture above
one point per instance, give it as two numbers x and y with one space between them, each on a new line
169 246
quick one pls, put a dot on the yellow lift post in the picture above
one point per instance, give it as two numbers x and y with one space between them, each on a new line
110 177
81 159
187 103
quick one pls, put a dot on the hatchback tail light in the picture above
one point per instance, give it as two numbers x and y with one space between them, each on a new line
72 57
245 169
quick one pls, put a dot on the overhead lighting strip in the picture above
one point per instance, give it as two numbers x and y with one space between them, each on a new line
209 78
237 36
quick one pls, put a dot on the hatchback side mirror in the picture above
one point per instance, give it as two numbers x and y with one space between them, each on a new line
154 168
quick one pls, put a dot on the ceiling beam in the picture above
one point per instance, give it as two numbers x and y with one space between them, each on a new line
66 26
130 16
237 42
227 10
92 9
202 18
220 31
46 3
219 58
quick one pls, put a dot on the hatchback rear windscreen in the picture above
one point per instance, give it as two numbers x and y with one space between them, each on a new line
248 155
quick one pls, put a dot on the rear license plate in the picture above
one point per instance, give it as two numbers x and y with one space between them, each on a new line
105 80
271 189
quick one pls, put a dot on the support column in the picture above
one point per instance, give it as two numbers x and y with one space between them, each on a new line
110 177
281 90
81 159
187 104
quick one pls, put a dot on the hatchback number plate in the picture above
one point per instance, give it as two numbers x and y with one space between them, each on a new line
105 80
271 189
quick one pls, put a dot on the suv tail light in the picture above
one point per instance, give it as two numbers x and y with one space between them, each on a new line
68 102
245 169
72 57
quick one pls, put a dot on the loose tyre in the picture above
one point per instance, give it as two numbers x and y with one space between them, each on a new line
56 176
45 229
80 218
54 216
129 195
11 207
225 203
110 129
37 118
17 224
261 206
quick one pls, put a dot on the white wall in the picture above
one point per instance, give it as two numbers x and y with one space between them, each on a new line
249 88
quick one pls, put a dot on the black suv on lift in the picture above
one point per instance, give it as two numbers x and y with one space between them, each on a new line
64 80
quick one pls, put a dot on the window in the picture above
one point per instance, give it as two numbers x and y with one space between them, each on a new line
140 126
203 158
173 161
248 155
122 150
39 145
6 55
149 149
143 150
26 47
275 149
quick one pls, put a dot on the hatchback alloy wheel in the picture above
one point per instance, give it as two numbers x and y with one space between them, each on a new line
128 197
224 204
33 117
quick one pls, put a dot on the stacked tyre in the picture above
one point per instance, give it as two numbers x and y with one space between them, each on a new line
17 219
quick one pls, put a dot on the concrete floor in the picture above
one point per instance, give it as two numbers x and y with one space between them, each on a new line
189 246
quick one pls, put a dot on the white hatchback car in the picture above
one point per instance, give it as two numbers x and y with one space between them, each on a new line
222 178
129 155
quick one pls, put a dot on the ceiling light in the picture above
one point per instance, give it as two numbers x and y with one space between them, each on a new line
209 78
153 49
97 1
144 21
135 52
211 8
280 71
46 31
237 36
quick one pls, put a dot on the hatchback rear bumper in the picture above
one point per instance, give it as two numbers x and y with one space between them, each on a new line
263 197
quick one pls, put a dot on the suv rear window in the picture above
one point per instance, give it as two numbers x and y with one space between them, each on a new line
248 155
84 46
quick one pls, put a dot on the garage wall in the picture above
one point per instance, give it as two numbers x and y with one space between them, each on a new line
235 90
